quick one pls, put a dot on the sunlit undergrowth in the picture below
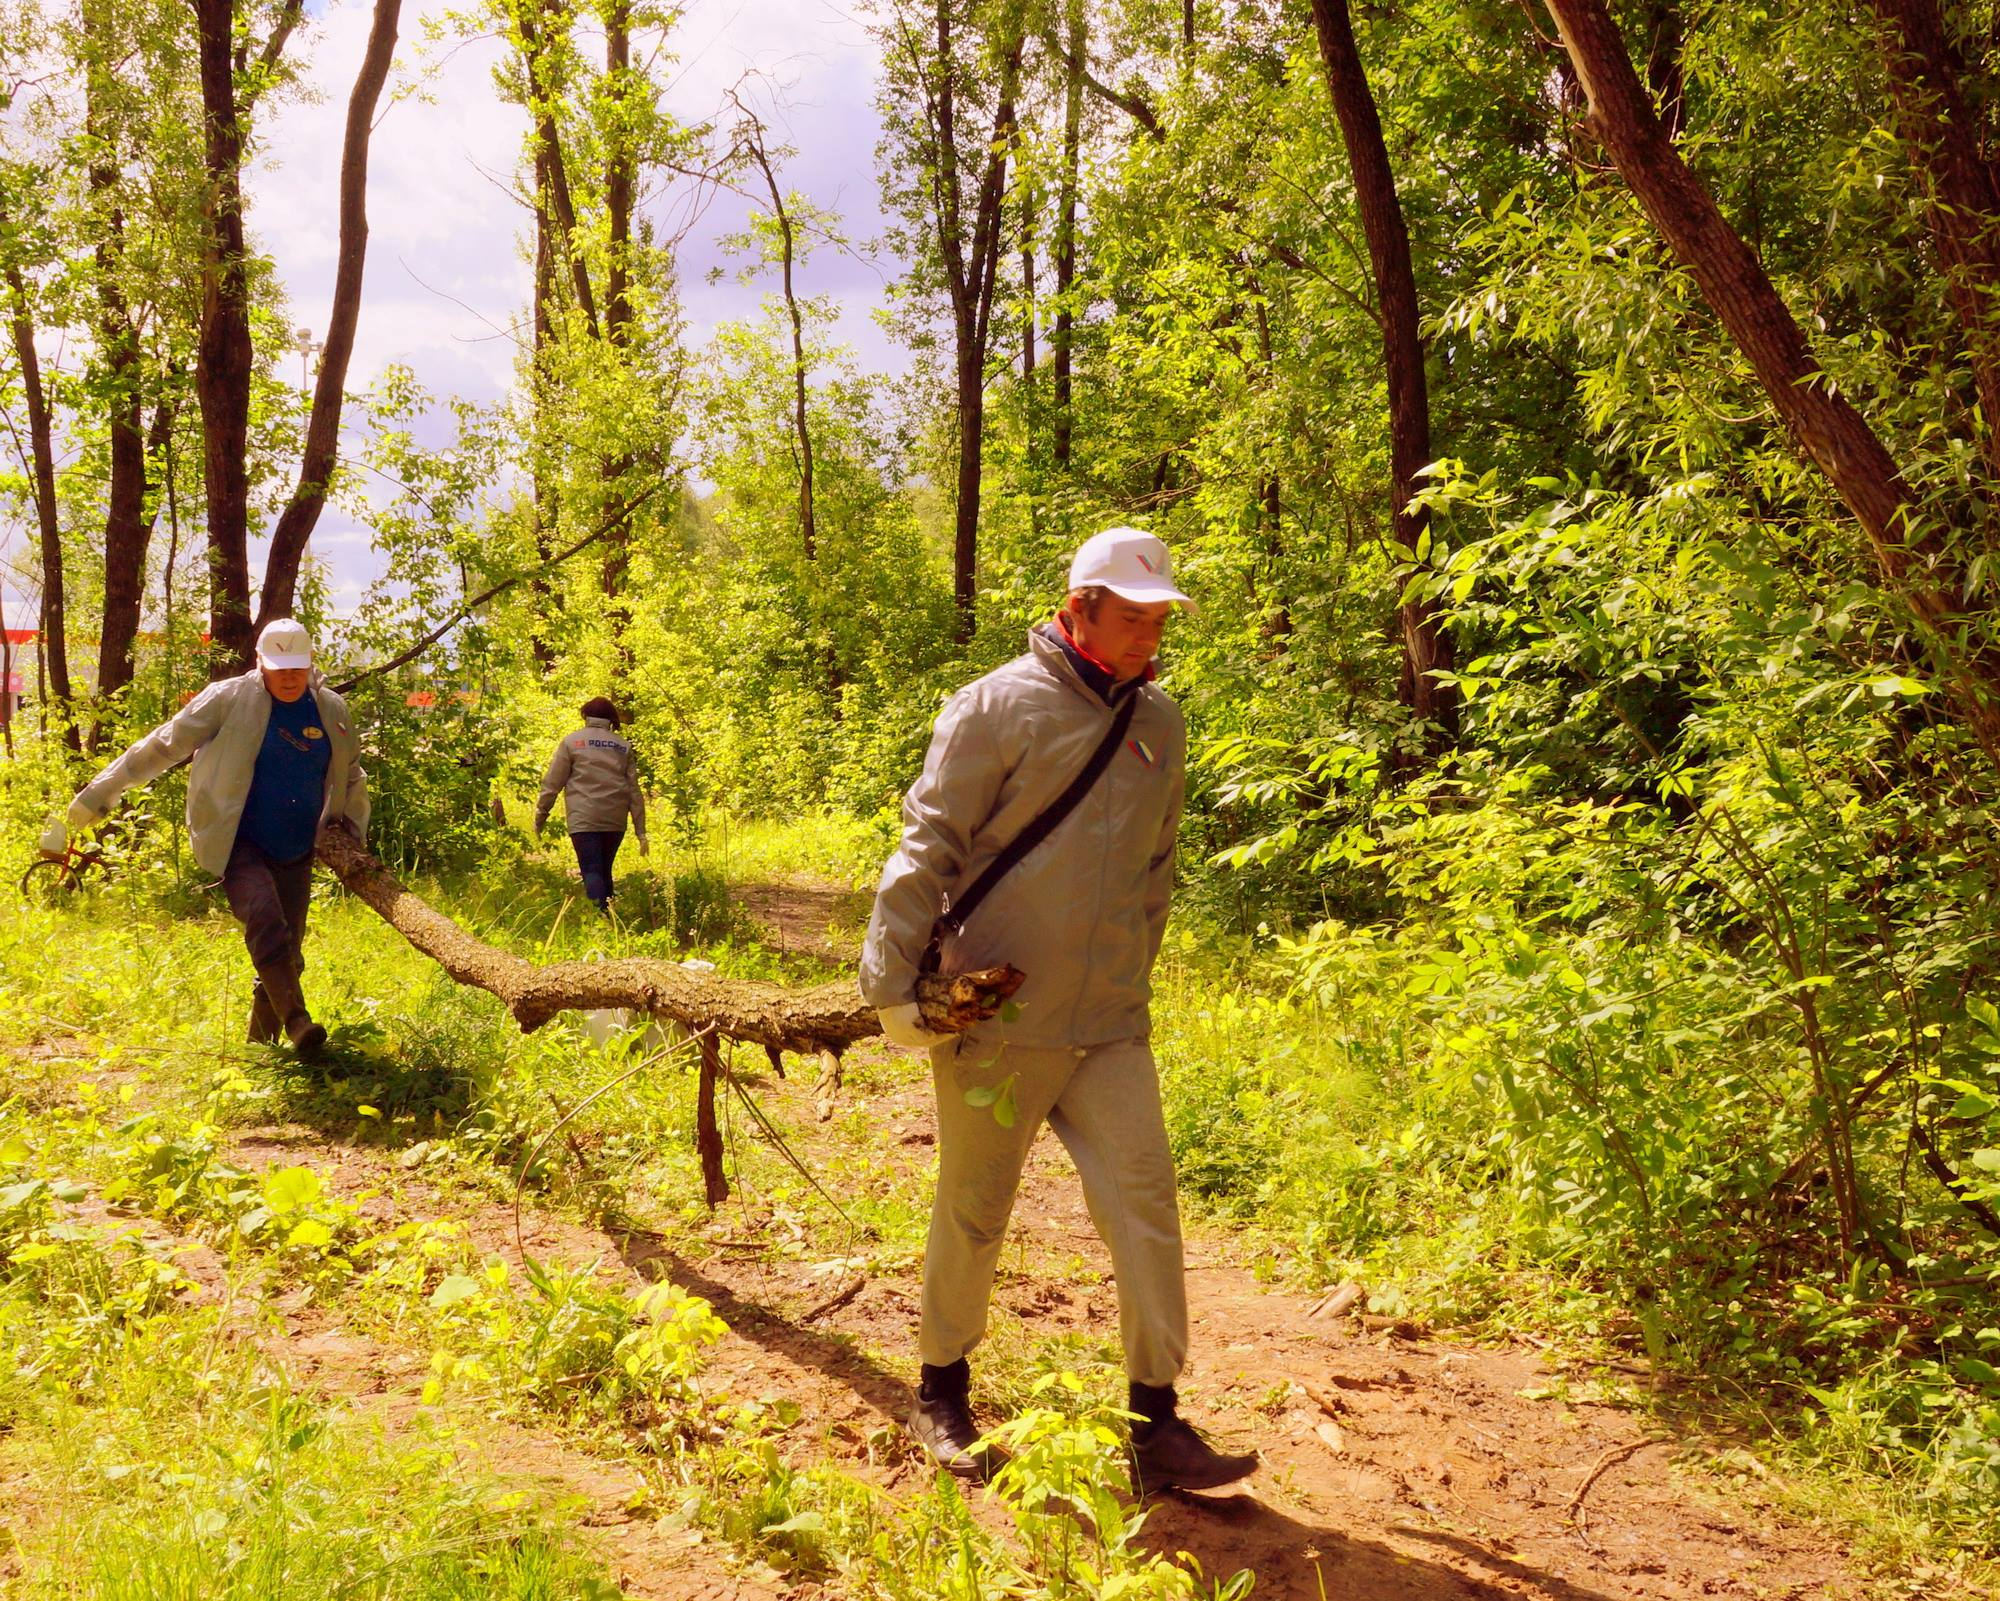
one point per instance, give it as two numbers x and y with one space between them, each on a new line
1382 1105
129 1081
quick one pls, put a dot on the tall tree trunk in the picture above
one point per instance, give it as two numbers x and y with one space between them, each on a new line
1666 75
801 432
226 357
322 449
1426 647
54 653
1942 131
972 263
128 528
620 181
545 597
548 139
1271 502
1827 429
1063 335
1028 310
128 536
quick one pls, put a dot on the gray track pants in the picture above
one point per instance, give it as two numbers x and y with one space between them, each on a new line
1104 1104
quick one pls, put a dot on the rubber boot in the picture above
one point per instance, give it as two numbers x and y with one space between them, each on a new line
1167 1454
281 983
264 1025
942 1424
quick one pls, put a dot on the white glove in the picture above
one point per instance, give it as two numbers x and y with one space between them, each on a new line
55 838
904 1026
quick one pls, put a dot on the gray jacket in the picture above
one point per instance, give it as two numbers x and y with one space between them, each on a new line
1083 913
594 770
222 728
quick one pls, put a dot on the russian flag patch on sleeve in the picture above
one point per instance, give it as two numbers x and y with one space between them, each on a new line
1140 749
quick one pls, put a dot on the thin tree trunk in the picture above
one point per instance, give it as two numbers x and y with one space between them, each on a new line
1828 430
545 597
620 181
127 527
128 536
226 357
54 654
548 138
1028 321
1942 130
1426 647
1062 336
1666 76
322 449
972 268
801 432
1278 615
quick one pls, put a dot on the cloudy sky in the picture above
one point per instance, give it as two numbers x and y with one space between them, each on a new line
447 280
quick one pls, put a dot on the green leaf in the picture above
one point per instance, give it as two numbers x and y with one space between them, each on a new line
797 1523
290 1188
310 1234
1010 1011
21 1194
1004 1110
455 1288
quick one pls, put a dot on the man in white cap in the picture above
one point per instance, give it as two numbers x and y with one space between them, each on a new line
274 757
1042 833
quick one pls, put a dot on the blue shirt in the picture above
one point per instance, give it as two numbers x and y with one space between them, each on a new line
288 785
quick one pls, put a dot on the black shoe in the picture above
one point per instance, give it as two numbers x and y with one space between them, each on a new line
1167 1454
942 1424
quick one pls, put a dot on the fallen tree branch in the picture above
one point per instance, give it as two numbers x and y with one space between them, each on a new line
828 1017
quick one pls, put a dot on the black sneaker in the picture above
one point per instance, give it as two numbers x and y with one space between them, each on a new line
942 1424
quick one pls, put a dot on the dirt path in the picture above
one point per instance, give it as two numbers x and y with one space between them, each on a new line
1394 1469
381 1382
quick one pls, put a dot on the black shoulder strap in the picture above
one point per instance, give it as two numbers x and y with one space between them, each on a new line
1045 823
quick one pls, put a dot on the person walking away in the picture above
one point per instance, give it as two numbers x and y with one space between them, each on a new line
274 759
1074 746
594 771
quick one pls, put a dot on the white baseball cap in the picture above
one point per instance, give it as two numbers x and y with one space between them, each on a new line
284 644
1129 562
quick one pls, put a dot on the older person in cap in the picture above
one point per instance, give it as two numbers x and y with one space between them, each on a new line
1042 833
274 757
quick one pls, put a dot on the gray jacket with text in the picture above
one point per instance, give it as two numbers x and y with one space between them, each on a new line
593 770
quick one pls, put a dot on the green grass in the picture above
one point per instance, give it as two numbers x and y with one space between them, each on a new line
225 1479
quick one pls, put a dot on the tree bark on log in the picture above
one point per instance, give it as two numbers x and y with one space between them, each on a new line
828 1017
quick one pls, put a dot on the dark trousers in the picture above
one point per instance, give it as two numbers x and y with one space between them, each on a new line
595 852
270 900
